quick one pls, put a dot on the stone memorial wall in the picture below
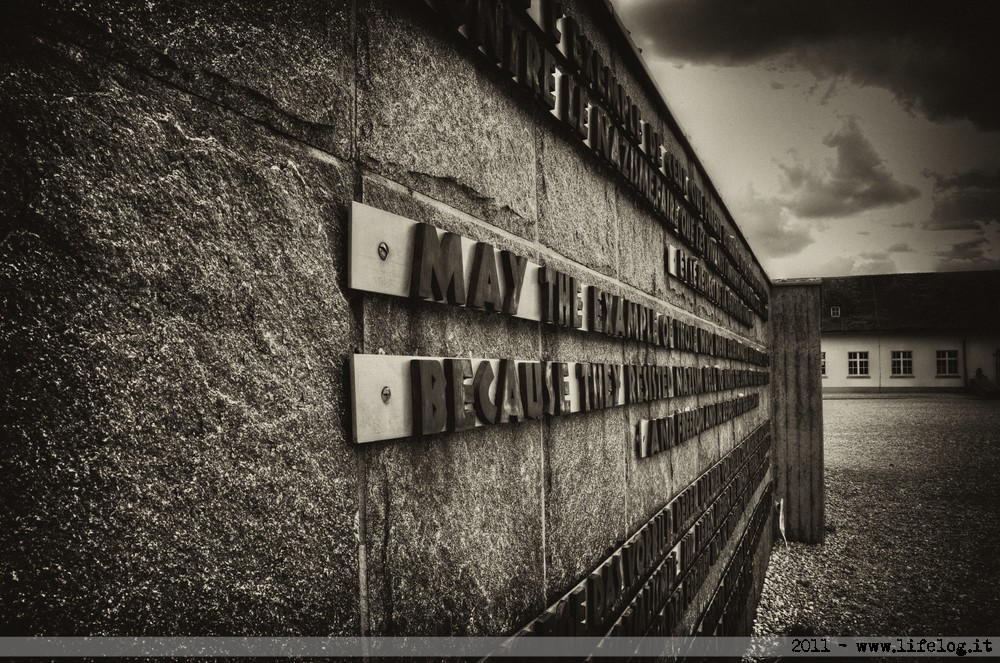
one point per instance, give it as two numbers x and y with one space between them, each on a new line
370 317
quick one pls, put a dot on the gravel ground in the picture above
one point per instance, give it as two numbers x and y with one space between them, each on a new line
913 525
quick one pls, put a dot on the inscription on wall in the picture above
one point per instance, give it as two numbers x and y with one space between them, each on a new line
393 255
396 397
547 53
644 587
712 527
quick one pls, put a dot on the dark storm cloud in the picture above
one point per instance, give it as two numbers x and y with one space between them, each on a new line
865 266
769 231
776 238
974 249
938 59
856 181
965 200
882 256
854 265
966 255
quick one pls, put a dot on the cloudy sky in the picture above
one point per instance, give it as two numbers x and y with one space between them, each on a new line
845 136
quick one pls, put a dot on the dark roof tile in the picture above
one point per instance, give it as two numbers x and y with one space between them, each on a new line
939 301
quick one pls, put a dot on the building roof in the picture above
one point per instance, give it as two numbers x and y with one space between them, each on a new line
931 302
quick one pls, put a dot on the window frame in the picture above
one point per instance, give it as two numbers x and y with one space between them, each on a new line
856 360
822 363
834 311
901 363
950 359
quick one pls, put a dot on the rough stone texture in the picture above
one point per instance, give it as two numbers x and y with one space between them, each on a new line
454 523
432 116
291 66
584 466
703 596
173 337
650 481
760 332
585 495
728 438
578 204
679 293
454 532
641 239
643 233
743 426
581 201
761 560
397 326
176 327
709 443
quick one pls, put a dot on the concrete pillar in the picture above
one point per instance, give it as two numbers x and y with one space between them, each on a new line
798 407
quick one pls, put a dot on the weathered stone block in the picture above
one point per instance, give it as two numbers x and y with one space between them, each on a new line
454 532
399 326
584 466
291 66
173 375
433 116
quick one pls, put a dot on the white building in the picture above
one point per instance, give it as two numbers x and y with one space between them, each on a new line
899 332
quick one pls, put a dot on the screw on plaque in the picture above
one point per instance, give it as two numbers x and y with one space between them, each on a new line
383 250
386 394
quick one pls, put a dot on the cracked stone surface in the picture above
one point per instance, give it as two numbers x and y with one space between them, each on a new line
173 346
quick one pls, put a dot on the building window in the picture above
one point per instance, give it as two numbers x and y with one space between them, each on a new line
902 362
947 362
857 363
822 363
834 311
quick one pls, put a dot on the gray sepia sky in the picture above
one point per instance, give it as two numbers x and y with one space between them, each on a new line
845 136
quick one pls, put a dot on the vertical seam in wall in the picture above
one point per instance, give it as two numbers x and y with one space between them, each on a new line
541 487
364 624
363 618
541 455
626 416
535 144
354 150
627 412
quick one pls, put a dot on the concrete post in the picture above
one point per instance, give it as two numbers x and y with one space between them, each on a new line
798 407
